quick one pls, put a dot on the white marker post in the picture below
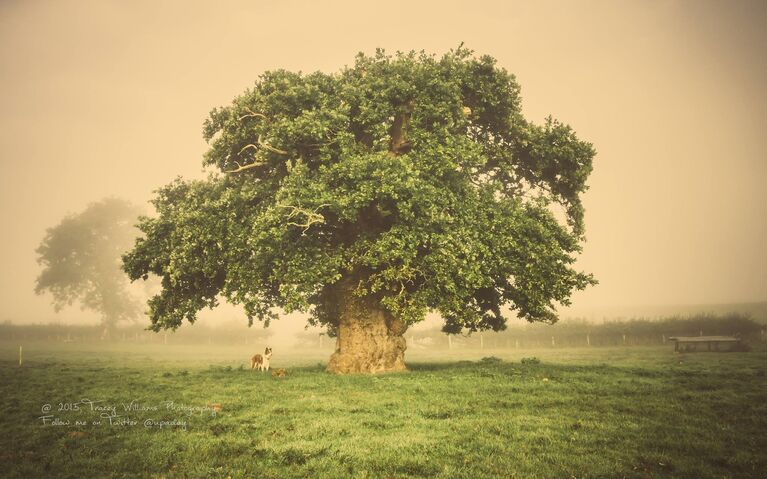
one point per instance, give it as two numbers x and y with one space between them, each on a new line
20 356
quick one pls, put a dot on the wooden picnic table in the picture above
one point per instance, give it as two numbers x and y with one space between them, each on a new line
689 343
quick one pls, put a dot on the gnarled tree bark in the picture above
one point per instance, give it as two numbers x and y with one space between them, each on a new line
370 339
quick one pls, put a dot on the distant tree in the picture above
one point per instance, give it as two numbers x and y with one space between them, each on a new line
368 197
81 261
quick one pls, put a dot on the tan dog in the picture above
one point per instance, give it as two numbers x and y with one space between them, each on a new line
261 362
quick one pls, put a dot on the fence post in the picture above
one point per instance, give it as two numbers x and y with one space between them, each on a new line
624 339
664 338
20 355
449 342
588 340
552 342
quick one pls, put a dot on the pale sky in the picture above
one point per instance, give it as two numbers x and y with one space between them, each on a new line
104 98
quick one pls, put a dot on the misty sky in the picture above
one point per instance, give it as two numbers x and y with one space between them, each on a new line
104 98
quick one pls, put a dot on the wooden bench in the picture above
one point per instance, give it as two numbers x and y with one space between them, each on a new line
712 343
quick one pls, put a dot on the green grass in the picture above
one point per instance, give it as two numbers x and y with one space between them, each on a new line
591 412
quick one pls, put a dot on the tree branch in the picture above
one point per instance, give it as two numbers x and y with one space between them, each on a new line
251 145
269 147
260 141
244 167
312 217
252 114
398 143
263 145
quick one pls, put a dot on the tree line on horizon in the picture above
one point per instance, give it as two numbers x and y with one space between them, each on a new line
581 332
199 334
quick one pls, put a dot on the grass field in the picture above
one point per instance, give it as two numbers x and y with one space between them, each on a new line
589 412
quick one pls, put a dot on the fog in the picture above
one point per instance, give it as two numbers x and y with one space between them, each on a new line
107 99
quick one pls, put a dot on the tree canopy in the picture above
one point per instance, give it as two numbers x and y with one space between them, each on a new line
414 177
81 260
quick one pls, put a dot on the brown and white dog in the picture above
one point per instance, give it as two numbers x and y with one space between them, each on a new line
261 362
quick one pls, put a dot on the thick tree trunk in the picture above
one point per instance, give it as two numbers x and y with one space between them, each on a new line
370 339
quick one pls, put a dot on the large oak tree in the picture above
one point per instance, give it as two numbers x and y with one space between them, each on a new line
400 185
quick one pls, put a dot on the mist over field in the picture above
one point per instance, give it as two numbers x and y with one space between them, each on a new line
573 189
104 100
